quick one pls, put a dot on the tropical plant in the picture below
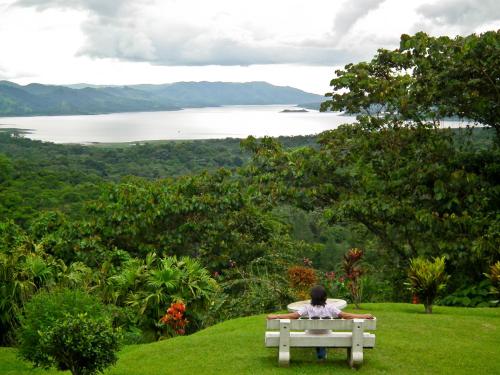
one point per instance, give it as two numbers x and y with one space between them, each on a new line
148 286
494 276
24 269
174 320
477 295
427 279
353 271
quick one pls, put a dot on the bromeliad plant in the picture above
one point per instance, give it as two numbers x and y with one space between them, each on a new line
426 279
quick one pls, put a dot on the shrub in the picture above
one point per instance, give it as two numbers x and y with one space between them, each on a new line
427 279
69 330
494 277
336 287
471 296
302 279
258 287
79 343
24 269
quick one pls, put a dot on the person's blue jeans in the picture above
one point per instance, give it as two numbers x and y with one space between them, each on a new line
321 353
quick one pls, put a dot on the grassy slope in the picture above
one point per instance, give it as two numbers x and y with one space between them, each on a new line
450 341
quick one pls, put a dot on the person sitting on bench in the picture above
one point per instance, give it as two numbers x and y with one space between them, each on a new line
318 308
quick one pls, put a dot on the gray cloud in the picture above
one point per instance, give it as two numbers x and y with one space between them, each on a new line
100 7
10 74
125 30
3 73
195 46
115 29
466 14
351 13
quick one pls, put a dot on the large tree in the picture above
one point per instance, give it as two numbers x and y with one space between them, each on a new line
426 78
410 185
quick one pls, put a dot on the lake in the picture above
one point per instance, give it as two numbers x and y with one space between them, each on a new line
191 123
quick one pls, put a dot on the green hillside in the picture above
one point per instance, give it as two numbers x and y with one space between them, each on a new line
450 341
37 99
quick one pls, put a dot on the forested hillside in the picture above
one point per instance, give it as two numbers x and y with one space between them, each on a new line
37 99
41 175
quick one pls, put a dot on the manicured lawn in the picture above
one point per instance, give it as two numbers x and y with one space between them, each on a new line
450 341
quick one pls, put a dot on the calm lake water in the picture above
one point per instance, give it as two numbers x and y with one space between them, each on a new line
192 123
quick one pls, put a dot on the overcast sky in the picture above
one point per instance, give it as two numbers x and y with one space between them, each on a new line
285 42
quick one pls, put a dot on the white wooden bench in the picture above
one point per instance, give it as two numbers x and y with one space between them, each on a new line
347 333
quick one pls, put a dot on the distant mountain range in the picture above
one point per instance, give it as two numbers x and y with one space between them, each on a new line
84 99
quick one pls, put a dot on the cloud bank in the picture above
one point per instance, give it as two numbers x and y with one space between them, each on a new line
221 32
466 14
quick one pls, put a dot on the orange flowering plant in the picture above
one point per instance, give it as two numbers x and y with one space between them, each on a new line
302 279
174 319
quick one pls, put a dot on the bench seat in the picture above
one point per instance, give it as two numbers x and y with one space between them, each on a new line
330 340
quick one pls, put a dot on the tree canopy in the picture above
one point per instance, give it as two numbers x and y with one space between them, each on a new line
426 78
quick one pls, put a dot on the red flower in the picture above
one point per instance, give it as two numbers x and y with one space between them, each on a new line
174 317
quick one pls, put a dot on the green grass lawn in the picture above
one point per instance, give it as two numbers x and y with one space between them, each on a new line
450 341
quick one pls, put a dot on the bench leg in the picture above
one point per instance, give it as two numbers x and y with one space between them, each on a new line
284 349
284 358
355 353
355 358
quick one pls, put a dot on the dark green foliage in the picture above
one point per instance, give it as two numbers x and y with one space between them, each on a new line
24 270
145 288
37 176
207 217
70 330
411 186
425 78
494 277
470 296
258 287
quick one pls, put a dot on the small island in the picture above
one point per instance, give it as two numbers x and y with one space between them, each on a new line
294 110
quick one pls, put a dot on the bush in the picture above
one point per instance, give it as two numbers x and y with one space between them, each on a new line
302 279
69 330
257 288
427 279
494 277
472 296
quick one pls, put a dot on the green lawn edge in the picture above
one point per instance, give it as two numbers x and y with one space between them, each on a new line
452 340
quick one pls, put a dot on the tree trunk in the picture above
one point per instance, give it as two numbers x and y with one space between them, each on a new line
428 308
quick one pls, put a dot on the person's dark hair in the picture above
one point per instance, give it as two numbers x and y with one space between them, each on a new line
318 296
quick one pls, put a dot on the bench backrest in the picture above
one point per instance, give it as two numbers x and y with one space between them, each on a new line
333 324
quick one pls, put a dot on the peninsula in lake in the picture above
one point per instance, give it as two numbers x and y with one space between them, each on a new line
84 99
